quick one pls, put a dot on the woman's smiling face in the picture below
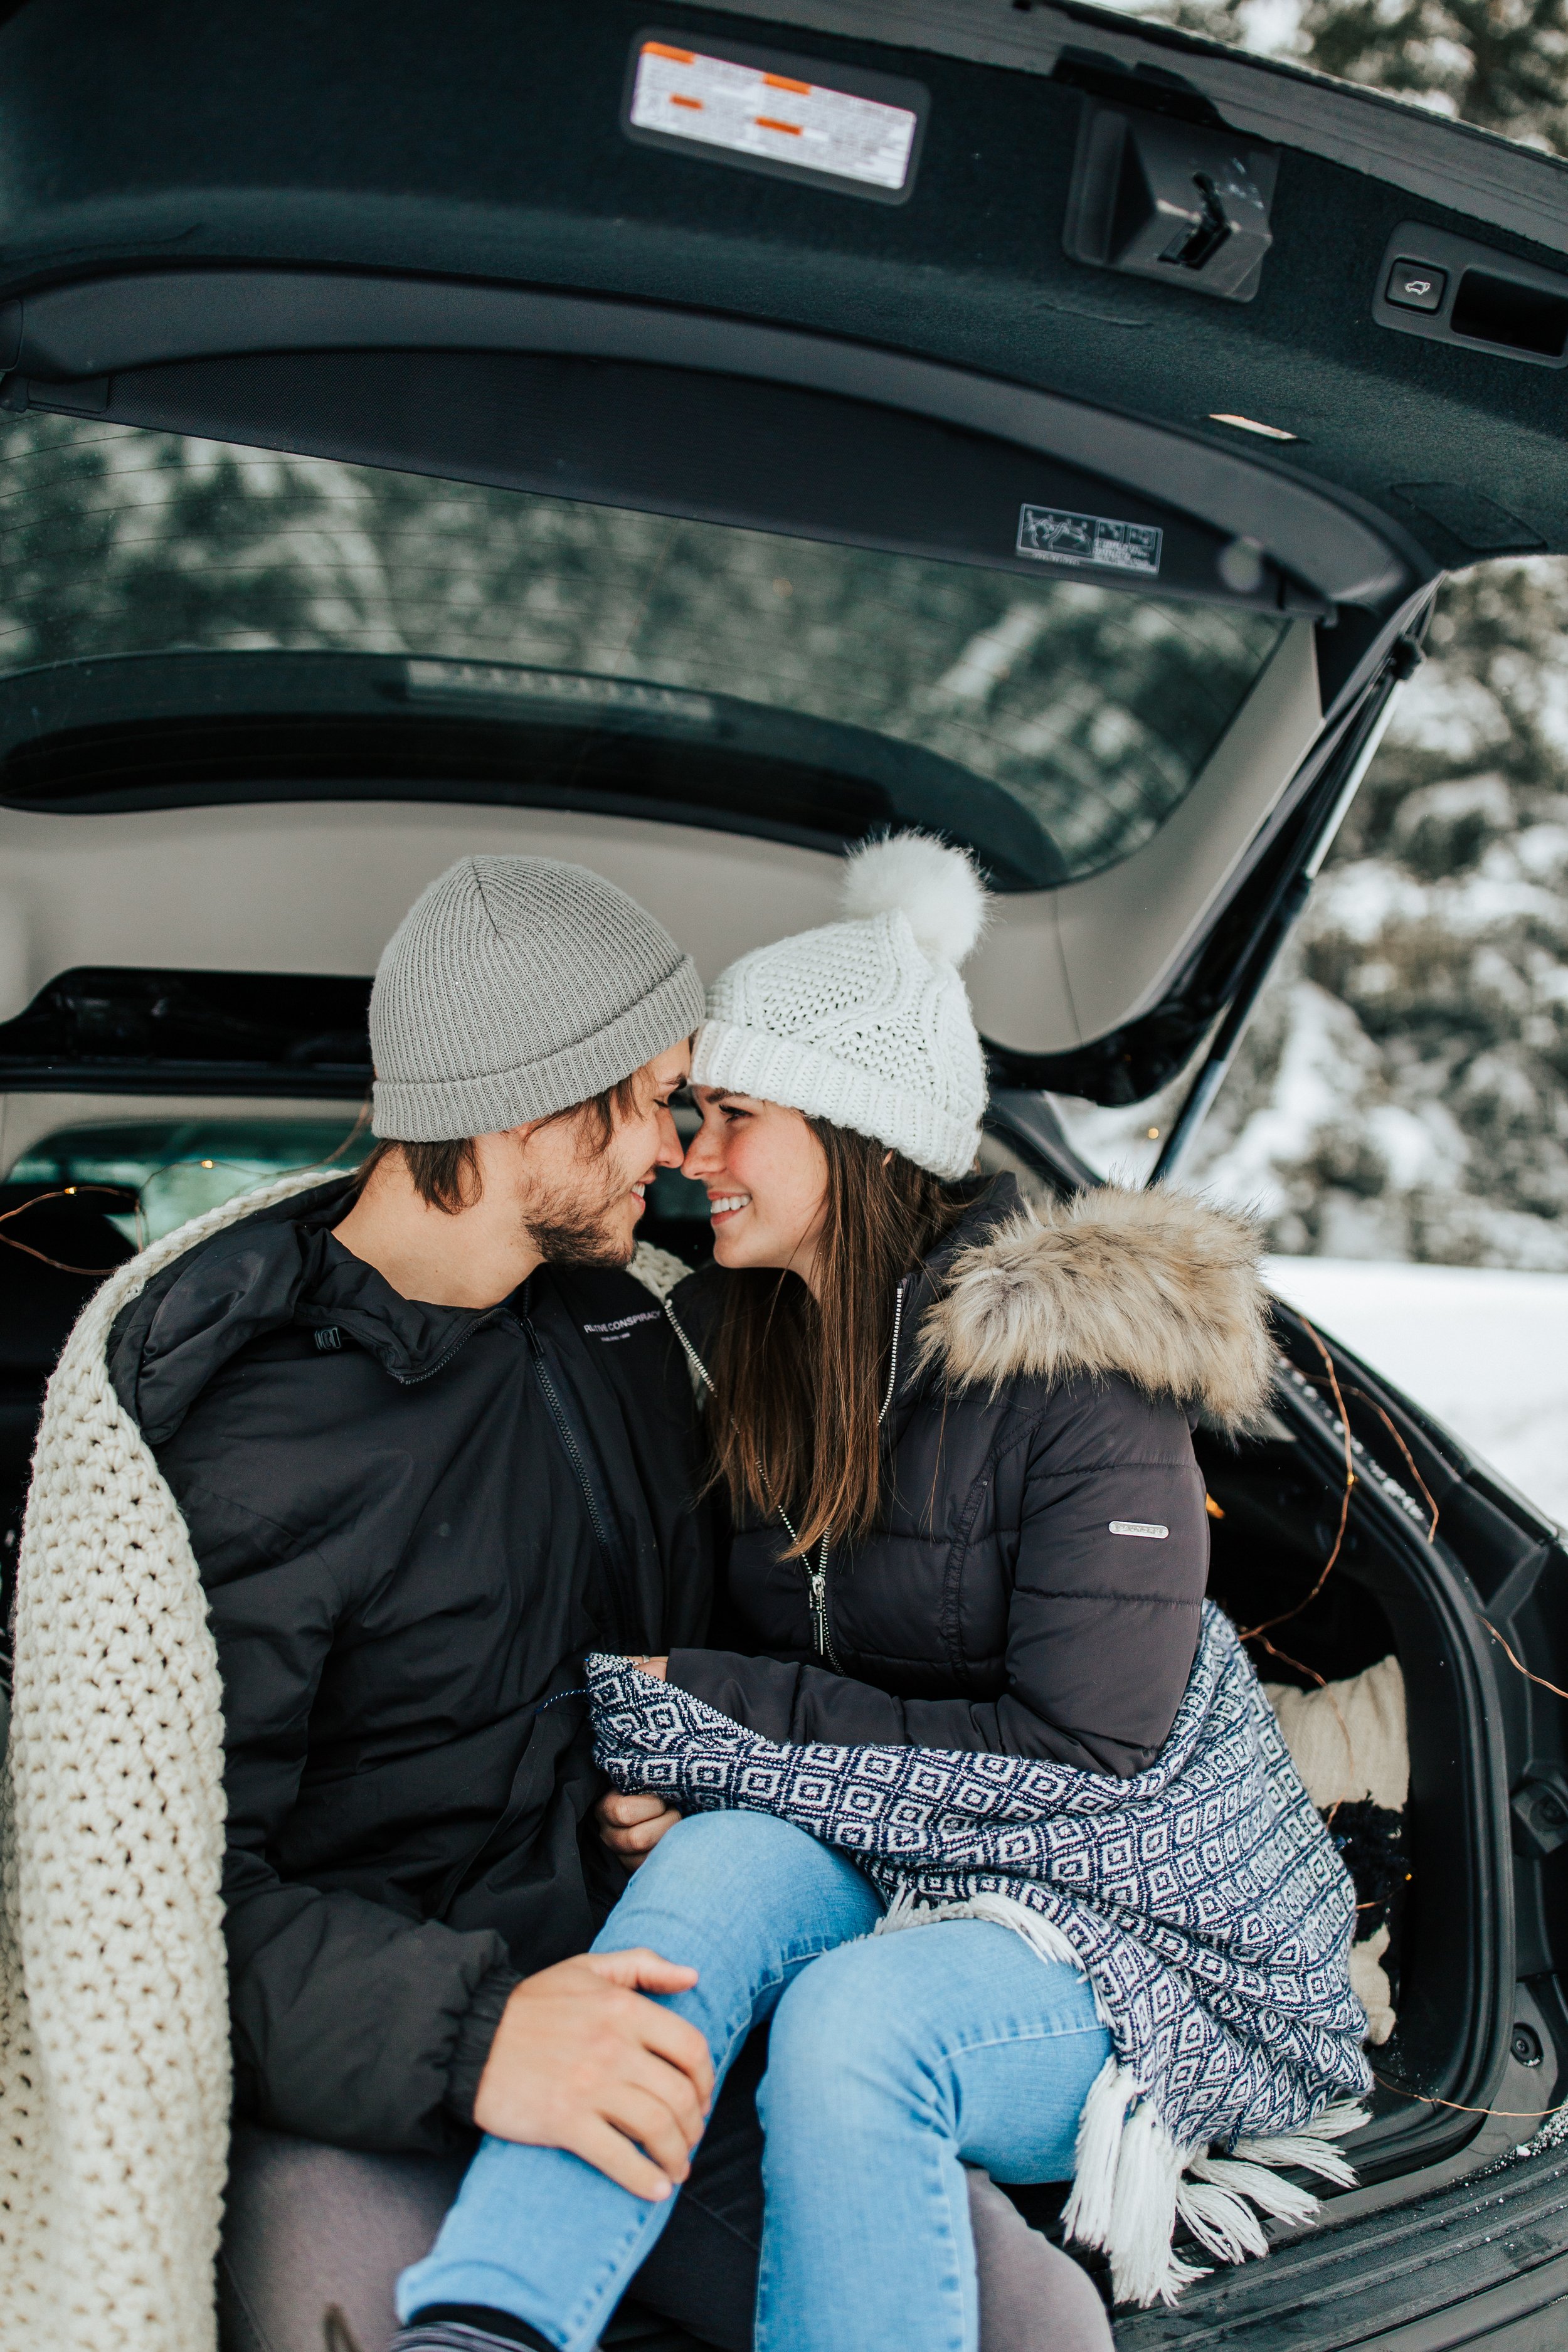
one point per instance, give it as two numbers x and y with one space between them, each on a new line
765 1175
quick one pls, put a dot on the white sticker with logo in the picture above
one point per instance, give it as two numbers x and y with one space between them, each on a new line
715 102
1053 536
1138 1527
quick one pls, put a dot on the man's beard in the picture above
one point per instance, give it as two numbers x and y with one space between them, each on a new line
575 1228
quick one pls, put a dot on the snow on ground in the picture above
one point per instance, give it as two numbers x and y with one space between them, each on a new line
1486 1353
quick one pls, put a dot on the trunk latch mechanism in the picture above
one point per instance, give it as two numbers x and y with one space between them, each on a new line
1168 199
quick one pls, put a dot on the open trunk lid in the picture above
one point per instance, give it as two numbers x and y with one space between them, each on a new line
1054 299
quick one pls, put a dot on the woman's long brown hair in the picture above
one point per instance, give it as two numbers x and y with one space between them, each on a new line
797 1388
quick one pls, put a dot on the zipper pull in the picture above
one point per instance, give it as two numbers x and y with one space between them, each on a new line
816 1601
817 1595
816 1592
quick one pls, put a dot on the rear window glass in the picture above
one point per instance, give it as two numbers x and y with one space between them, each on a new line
151 1176
1081 715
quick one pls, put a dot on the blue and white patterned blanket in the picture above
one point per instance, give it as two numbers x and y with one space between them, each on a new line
1202 1897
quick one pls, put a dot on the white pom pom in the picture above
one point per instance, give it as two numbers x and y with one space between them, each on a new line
937 887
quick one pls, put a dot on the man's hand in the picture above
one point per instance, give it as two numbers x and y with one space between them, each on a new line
631 1826
581 2061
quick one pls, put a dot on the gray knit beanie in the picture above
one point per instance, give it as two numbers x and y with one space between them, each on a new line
514 988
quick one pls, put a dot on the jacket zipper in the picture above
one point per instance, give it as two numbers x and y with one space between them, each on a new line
692 1358
816 1596
613 1552
817 1578
552 1401
893 1353
815 1575
412 1380
564 1431
816 1593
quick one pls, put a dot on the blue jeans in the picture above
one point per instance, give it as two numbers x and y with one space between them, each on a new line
892 2060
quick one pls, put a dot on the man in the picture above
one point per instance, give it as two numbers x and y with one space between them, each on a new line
432 1442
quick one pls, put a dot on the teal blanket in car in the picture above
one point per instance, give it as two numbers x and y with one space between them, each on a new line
1203 1899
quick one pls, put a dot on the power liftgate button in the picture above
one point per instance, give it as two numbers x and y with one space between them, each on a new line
1416 286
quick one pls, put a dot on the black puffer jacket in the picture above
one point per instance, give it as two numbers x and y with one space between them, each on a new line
1035 1588
411 1522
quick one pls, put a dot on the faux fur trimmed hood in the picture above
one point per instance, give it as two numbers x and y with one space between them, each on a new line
1157 1287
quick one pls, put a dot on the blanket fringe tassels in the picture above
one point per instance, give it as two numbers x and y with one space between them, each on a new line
909 1909
1131 2183
1126 2178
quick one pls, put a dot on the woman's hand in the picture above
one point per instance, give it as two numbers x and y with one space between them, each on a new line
631 1826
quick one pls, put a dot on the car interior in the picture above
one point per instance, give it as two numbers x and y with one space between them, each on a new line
694 524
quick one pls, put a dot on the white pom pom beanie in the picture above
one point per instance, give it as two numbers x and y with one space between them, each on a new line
866 1021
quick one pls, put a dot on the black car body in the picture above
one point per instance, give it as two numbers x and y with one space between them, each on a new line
1138 390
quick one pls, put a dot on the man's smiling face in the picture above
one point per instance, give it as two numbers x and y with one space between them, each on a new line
579 1196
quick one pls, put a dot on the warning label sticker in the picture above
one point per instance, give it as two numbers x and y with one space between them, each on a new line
716 103
1053 537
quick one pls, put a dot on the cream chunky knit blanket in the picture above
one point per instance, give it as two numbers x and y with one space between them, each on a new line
114 2066
114 2058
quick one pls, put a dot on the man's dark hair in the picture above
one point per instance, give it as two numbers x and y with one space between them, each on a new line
447 1175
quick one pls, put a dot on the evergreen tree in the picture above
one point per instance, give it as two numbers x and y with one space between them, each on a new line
1402 1089
1500 64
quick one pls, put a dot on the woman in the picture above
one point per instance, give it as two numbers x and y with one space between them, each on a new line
955 1446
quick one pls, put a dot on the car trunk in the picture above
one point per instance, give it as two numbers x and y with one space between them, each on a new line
816 503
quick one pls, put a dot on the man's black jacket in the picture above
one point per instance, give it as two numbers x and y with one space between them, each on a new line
411 1522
